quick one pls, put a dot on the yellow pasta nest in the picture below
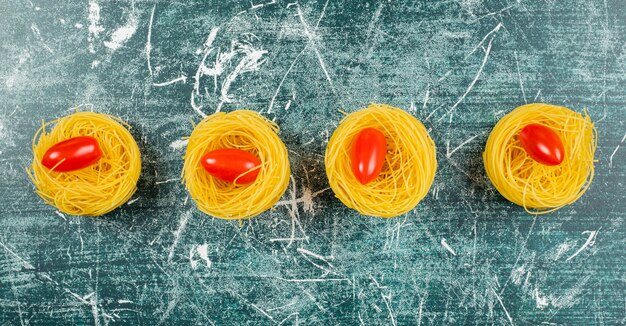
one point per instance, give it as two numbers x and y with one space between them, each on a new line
245 130
533 185
98 188
408 171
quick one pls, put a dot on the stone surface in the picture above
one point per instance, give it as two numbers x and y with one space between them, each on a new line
464 256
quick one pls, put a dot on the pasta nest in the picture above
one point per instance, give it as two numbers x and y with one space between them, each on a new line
245 130
408 171
541 188
96 189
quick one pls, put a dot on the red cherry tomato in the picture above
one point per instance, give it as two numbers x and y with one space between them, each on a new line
542 144
368 154
229 163
72 154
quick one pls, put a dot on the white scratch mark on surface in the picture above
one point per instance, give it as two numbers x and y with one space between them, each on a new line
516 275
519 75
374 19
38 36
251 61
563 248
314 280
502 305
420 311
303 199
590 242
293 63
158 237
257 308
149 40
26 264
173 81
170 307
307 201
94 24
75 295
83 299
412 108
471 85
288 317
19 309
615 151
327 270
433 112
542 302
519 256
426 98
292 203
166 181
148 50
386 299
495 12
450 152
179 144
94 311
447 246
203 252
289 239
569 299
177 234
124 33
294 213
495 29
312 254
311 38
93 303
132 201
202 69
447 74
60 215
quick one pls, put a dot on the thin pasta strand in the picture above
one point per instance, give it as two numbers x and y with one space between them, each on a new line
249 131
539 188
409 168
96 189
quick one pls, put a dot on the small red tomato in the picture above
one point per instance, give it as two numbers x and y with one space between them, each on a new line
229 163
368 154
542 144
72 154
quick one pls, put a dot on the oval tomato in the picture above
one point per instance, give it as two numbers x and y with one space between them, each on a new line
368 154
72 154
542 144
229 163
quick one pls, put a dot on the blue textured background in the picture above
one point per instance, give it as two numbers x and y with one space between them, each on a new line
463 256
